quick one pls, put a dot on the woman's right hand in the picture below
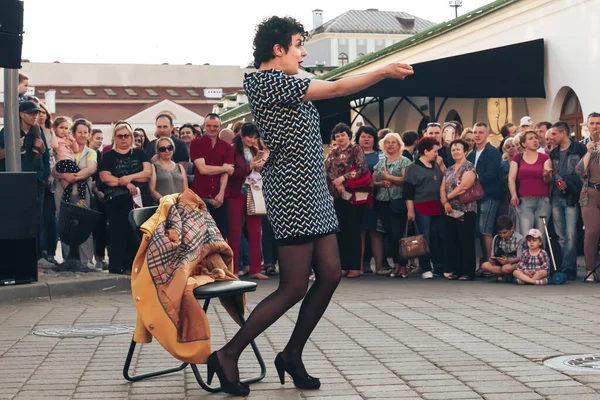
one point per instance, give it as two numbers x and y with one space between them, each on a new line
132 189
411 215
590 147
256 163
398 70
514 201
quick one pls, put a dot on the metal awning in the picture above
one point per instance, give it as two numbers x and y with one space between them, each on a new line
516 70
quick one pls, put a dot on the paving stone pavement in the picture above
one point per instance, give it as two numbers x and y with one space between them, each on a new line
380 338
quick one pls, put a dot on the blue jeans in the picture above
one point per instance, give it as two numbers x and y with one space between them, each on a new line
433 228
565 224
530 211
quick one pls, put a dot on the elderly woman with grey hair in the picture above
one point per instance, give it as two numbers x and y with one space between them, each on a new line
388 179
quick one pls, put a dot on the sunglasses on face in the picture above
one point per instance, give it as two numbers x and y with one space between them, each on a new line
125 136
165 149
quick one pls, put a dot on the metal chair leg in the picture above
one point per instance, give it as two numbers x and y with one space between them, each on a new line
261 363
145 376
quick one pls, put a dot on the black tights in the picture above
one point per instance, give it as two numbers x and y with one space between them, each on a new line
295 264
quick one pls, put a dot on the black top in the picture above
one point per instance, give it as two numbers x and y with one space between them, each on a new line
126 164
181 151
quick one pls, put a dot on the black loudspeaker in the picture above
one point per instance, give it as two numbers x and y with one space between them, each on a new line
18 227
11 33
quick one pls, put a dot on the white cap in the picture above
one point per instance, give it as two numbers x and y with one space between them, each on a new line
526 121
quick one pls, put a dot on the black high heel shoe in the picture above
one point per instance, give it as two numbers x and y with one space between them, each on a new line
301 380
236 388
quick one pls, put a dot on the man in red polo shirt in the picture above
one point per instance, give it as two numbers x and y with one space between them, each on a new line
213 163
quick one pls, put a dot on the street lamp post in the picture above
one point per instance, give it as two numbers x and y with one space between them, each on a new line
455 4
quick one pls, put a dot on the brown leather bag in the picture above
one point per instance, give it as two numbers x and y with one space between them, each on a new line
413 246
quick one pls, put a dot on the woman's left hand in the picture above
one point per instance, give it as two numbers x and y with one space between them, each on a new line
338 181
447 208
125 180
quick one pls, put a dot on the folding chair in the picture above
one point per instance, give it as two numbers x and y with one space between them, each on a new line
137 217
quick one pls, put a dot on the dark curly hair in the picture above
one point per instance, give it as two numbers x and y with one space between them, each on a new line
341 128
368 130
272 31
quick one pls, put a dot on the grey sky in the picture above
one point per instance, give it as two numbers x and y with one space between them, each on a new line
180 31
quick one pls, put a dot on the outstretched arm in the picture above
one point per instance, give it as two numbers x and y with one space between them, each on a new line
319 90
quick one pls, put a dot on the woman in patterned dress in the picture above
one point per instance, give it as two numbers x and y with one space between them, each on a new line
298 202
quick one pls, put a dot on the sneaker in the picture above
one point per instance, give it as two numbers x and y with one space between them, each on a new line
52 260
403 272
99 266
45 264
242 273
427 275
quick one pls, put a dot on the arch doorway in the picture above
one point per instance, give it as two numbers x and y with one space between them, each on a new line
454 116
571 113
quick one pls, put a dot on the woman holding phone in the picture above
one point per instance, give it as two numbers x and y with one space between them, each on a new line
248 163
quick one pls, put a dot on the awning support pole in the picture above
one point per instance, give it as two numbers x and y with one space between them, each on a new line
381 113
432 109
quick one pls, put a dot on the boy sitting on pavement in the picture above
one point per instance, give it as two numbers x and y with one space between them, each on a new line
507 248
533 266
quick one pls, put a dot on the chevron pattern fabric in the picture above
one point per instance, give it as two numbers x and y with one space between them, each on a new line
296 195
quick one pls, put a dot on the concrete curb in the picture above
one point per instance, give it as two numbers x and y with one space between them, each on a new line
64 288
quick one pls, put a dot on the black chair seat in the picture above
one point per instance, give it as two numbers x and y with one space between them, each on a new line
223 288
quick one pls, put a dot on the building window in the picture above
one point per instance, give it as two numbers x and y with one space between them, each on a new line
89 92
171 92
131 92
110 92
571 113
192 92
64 91
152 92
343 59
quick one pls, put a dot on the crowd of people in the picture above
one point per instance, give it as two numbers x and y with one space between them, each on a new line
539 178
385 186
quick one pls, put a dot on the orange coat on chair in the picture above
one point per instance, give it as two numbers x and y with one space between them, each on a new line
181 250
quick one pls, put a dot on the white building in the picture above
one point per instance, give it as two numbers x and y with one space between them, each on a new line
356 33
570 33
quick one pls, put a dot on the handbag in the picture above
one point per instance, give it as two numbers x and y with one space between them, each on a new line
113 192
475 193
360 189
413 246
255 201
